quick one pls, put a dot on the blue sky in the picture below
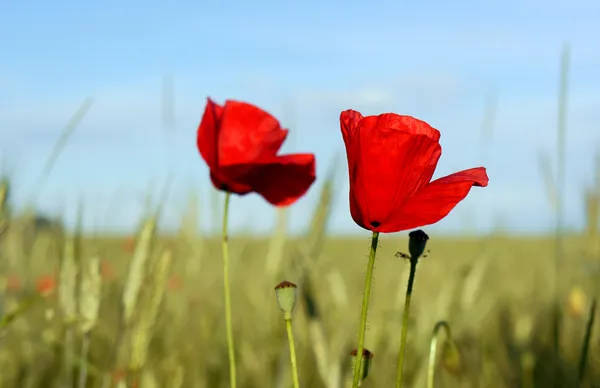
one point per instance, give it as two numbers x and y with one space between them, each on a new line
305 62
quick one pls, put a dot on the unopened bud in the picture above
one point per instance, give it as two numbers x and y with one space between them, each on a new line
365 362
286 297
417 240
451 359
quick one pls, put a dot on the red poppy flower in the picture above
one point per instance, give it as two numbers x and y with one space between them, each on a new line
239 143
45 285
391 160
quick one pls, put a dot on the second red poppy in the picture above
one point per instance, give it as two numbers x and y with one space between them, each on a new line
239 143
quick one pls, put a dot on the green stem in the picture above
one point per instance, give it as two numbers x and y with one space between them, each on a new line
290 335
227 292
411 280
365 309
433 350
583 357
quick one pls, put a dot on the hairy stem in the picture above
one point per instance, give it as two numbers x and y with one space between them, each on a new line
409 288
365 309
290 335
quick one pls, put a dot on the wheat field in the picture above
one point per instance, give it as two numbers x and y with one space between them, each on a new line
146 310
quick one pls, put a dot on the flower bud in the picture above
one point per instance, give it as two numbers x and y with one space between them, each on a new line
365 364
286 297
452 359
417 240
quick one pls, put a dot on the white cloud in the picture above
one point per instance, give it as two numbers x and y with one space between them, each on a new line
406 92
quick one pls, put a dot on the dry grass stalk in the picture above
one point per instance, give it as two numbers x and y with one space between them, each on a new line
153 294
67 300
313 243
559 253
592 212
277 244
190 236
189 222
89 307
4 223
474 281
545 166
65 134
4 208
89 296
137 269
318 224
338 289
592 235
67 289
137 274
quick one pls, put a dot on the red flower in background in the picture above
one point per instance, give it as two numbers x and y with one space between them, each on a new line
391 160
239 143
45 285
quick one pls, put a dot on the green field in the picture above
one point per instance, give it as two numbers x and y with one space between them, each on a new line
496 293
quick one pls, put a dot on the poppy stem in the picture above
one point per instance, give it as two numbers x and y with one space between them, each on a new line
439 326
411 280
290 335
227 294
365 307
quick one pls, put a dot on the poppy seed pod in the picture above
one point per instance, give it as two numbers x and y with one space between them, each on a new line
365 364
286 297
417 241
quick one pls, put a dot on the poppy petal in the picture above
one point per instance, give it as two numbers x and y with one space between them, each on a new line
349 122
435 200
207 137
390 167
285 179
402 123
231 179
248 134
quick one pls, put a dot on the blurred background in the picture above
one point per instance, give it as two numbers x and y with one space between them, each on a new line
486 74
